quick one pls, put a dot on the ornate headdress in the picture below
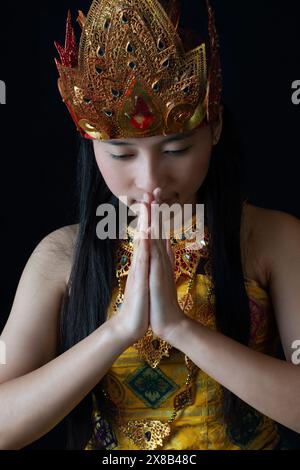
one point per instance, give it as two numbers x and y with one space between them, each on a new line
131 76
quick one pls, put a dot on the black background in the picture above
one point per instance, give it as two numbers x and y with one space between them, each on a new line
260 49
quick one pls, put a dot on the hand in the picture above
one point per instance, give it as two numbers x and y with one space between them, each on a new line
165 312
133 317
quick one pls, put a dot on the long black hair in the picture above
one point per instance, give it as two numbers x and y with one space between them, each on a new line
92 276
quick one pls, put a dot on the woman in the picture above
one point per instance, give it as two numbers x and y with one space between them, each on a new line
157 345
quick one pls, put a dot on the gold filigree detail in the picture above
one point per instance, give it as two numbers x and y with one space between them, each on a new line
131 76
151 349
146 434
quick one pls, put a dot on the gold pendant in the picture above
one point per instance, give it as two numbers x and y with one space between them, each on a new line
186 302
185 398
151 349
147 435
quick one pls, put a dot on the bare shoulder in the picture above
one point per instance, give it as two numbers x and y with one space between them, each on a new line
56 249
268 235
31 331
65 238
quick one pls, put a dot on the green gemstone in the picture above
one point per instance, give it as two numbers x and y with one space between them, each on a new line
124 260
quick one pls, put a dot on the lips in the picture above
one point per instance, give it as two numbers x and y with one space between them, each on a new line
164 201
134 201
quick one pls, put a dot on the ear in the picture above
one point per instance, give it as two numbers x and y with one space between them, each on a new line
217 126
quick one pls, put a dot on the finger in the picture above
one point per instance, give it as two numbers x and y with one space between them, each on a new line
170 254
160 234
155 231
142 218
140 223
143 252
136 241
134 253
158 263
157 194
154 220
137 230
166 250
155 251
144 261
140 259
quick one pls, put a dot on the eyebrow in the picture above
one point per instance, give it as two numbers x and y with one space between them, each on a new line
172 138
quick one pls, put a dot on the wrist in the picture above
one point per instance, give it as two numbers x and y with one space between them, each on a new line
173 334
120 332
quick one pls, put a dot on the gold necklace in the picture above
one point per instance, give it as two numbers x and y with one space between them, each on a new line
151 434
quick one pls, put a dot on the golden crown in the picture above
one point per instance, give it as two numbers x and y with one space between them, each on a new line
131 76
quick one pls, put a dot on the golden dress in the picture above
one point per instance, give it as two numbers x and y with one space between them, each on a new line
142 392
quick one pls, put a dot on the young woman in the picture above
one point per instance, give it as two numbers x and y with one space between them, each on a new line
146 343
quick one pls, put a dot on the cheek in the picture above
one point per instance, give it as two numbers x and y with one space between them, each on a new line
111 173
202 165
196 169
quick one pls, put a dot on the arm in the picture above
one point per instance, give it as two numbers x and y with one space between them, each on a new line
35 403
38 389
268 384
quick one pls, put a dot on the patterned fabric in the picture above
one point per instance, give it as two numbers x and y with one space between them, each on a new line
141 392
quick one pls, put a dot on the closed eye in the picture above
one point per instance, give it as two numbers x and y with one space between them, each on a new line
168 152
177 152
120 157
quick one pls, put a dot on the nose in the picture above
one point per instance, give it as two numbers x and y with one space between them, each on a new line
149 176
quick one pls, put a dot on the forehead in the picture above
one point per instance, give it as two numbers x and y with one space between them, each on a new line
150 140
